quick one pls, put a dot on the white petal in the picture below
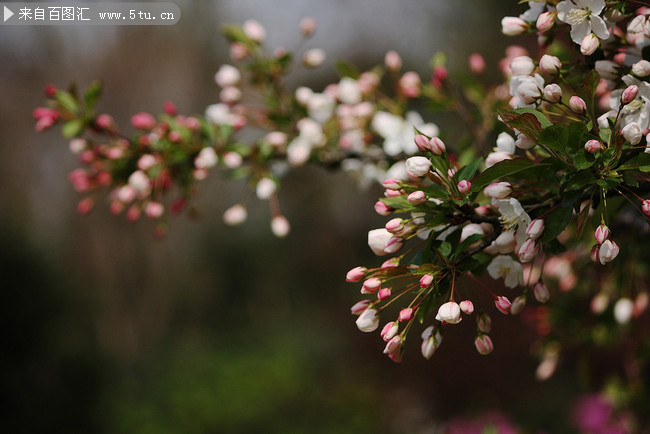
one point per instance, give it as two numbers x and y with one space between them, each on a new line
580 30
599 27
595 6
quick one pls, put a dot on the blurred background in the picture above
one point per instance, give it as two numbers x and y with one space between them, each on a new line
214 329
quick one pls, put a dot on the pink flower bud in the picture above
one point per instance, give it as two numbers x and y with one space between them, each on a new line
449 313
422 142
595 253
393 245
589 44
383 294
524 142
641 68
391 263
307 26
577 104
550 64
522 65
104 121
629 94
467 307
417 197
476 63
541 292
314 57
409 84
608 251
512 26
592 146
437 146
280 226
143 121
553 93
484 323
154 210
393 61
85 206
389 331
601 234
393 346
235 215
370 286
545 21
254 30
498 190
528 251
632 133
645 206
518 305
382 209
418 166
377 239
464 186
503 304
426 280
133 213
50 90
535 229
483 344
368 320
359 307
391 183
395 225
356 274
405 314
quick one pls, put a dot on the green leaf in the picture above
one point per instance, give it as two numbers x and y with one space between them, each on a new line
605 134
73 128
67 101
644 162
580 180
445 248
425 307
500 170
590 84
583 160
555 137
346 69
92 94
398 203
469 171
529 121
556 222
466 243
630 179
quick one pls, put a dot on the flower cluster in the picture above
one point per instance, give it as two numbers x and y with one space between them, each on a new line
569 130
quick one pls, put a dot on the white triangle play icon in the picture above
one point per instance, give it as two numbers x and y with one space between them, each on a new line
8 14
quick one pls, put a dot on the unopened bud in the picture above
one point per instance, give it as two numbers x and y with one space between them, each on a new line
437 146
356 274
550 64
513 26
592 146
464 186
629 94
467 307
577 104
541 292
589 44
535 229
545 21
601 233
552 93
483 344
503 304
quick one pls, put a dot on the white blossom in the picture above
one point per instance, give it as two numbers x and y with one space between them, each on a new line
510 270
583 16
